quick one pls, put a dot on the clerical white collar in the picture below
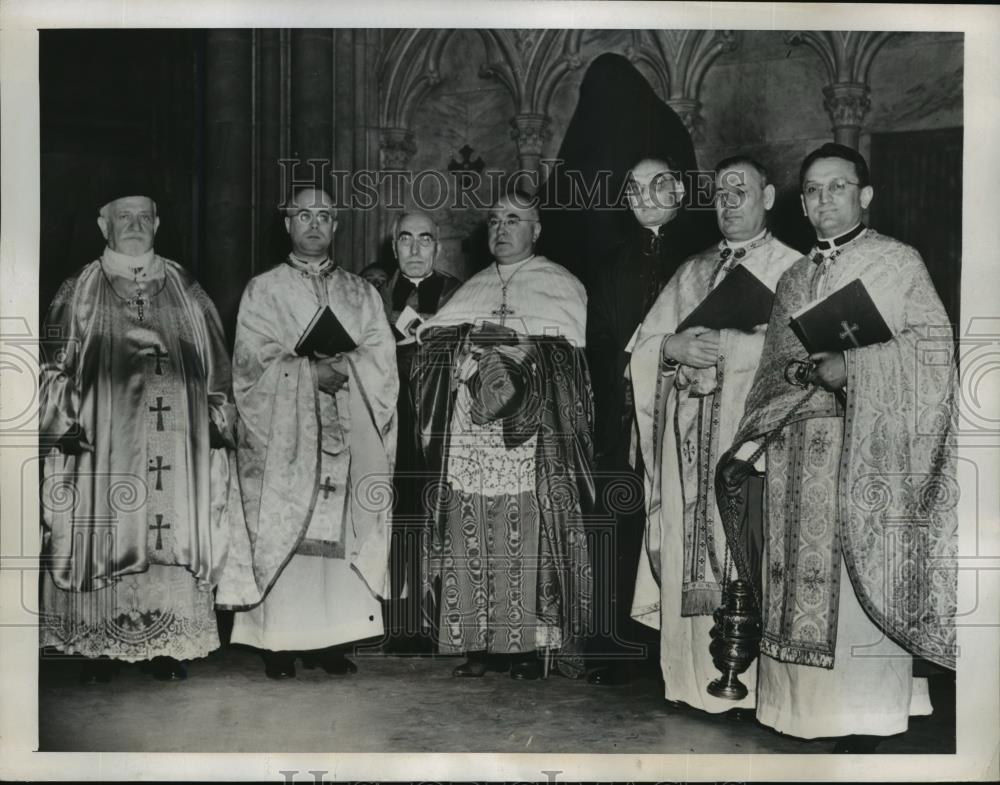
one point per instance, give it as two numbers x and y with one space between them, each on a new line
138 267
315 268
828 245
755 240
417 281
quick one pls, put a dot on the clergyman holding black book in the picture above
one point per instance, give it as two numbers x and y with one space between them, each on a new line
859 527
315 384
692 365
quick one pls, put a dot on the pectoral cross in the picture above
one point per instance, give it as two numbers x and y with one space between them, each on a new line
159 467
139 302
503 311
159 355
158 527
327 487
159 409
849 330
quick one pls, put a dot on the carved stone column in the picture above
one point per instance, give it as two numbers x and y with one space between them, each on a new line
312 95
272 123
228 154
848 60
847 103
530 132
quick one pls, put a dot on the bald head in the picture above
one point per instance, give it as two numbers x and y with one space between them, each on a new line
311 220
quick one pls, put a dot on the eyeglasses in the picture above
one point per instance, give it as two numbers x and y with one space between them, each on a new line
729 198
663 191
510 222
834 188
423 240
305 218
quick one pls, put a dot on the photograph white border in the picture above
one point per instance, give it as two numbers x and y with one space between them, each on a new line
978 680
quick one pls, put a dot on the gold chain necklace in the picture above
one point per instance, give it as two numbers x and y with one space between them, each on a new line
504 311
139 301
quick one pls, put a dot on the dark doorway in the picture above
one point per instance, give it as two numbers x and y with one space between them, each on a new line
918 199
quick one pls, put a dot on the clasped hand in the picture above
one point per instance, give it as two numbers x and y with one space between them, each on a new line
831 370
331 372
732 472
696 347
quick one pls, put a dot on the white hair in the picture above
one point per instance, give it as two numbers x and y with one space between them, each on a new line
104 211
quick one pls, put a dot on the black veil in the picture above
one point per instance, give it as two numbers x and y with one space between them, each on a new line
618 120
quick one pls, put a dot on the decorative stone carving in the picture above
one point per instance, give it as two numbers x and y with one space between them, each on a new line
526 40
530 132
847 104
397 147
680 59
847 57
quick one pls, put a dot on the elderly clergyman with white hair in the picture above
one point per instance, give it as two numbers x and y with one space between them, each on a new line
136 411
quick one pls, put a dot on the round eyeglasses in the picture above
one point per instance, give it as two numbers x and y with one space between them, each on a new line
305 217
834 188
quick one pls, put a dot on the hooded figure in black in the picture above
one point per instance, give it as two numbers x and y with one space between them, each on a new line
624 148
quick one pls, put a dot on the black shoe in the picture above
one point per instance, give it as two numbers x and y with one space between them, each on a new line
279 665
856 745
608 676
526 669
478 663
167 669
96 671
675 705
333 663
470 668
741 715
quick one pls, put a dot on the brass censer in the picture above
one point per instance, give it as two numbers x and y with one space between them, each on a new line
735 640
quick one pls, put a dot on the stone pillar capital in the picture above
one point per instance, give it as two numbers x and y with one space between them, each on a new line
397 146
847 103
530 132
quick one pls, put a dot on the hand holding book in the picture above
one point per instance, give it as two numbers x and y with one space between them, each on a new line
846 319
741 302
696 347
331 372
324 335
830 370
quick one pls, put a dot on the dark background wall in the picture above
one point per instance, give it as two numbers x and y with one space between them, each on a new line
212 112
112 101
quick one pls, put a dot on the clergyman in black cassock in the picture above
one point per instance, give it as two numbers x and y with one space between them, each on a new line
418 290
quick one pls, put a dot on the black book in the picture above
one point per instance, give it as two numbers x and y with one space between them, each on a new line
740 302
324 335
846 319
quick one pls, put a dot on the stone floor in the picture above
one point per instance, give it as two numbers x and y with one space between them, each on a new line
404 704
